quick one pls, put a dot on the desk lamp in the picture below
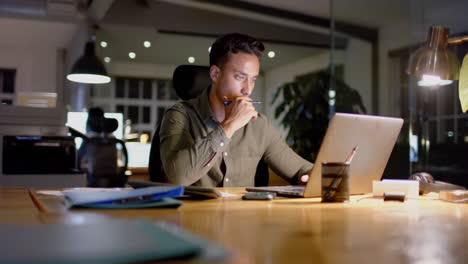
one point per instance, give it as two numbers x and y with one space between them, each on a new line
435 65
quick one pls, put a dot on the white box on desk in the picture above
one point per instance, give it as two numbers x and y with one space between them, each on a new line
409 187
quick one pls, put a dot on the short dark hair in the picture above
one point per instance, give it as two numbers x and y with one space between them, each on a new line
234 43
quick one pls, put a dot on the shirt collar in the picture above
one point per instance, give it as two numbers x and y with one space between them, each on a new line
203 105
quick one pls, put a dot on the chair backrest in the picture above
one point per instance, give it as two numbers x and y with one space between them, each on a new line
189 81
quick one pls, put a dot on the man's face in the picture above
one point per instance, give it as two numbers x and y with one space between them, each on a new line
236 77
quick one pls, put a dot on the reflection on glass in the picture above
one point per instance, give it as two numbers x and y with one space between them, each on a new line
414 148
462 131
447 131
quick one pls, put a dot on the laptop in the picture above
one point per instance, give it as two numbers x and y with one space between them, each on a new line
375 137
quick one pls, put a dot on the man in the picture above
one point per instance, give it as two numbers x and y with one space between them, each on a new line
218 138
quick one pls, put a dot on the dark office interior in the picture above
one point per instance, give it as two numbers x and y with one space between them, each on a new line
344 56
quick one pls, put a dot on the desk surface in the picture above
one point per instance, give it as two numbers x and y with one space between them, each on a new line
291 230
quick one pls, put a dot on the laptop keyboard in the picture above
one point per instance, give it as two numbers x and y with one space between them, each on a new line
289 188
282 190
293 190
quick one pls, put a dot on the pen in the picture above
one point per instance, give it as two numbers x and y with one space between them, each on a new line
36 202
351 155
253 102
330 193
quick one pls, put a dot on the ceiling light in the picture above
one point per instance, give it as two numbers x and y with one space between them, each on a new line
271 54
147 44
132 55
89 68
103 44
191 59
107 59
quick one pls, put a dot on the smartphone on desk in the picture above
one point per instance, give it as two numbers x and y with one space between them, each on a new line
259 196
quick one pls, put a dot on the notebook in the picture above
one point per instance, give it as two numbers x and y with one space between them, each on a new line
375 137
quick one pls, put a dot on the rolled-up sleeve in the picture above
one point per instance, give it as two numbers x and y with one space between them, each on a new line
186 157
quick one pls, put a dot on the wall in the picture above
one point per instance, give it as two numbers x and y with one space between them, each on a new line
33 48
76 95
425 13
392 37
36 67
358 69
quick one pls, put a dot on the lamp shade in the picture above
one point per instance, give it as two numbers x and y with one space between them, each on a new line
463 84
434 61
88 68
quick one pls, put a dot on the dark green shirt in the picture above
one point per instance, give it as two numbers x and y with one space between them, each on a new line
196 151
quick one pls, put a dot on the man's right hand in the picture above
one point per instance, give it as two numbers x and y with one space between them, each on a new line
237 114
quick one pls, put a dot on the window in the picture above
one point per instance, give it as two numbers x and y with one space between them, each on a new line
142 101
146 115
7 85
438 125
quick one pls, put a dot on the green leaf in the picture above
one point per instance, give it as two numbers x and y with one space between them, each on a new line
277 93
280 109
287 94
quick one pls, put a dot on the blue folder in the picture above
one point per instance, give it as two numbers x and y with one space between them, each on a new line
159 196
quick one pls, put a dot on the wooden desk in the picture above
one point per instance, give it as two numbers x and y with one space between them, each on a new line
292 230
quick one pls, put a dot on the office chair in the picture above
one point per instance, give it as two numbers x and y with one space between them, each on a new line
189 81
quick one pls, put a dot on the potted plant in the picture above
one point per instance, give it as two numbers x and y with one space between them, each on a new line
303 109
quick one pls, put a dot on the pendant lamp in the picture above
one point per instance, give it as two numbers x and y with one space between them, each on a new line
89 68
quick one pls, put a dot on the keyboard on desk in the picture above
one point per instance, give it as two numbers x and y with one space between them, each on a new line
290 190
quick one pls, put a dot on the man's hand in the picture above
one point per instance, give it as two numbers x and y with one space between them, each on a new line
304 178
237 114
